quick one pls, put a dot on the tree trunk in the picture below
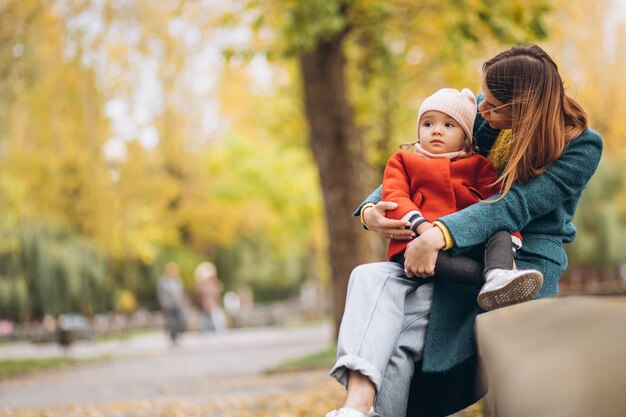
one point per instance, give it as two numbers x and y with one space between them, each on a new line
338 151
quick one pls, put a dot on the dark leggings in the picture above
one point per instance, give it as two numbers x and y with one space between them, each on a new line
469 268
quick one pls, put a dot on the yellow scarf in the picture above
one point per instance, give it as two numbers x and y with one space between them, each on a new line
500 149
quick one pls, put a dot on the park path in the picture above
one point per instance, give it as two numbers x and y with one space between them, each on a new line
206 375
148 368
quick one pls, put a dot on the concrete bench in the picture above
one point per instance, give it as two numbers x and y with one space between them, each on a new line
555 357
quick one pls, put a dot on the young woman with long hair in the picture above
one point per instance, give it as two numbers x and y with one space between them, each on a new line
538 139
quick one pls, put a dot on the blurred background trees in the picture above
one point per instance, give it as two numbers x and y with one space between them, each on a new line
245 132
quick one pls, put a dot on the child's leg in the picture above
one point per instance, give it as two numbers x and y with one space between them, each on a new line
499 252
504 285
460 269
374 317
464 269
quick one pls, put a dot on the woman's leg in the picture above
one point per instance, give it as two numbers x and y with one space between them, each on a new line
393 396
360 393
373 320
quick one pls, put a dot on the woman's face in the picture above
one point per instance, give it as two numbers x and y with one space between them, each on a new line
496 113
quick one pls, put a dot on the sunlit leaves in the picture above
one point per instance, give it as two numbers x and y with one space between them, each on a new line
591 59
600 221
310 21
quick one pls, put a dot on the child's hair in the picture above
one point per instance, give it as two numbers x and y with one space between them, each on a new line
544 119
408 146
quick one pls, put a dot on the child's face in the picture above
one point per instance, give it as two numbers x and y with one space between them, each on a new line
440 133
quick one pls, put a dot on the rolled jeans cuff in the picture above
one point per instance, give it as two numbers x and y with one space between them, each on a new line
352 362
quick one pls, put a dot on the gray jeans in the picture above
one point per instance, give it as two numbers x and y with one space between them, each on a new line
382 332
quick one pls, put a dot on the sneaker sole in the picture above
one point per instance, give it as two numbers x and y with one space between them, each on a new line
522 288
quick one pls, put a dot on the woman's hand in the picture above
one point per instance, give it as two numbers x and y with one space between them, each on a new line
391 229
421 254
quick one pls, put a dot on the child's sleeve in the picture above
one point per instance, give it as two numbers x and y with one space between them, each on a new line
396 187
486 178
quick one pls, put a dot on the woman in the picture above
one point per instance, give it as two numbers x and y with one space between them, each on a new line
538 139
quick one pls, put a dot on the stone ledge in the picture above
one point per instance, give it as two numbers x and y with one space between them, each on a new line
563 356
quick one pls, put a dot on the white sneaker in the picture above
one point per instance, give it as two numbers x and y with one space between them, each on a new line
505 287
350 412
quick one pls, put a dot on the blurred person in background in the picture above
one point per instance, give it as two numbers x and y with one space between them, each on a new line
172 300
209 290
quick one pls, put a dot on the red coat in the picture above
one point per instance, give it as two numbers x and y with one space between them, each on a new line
434 187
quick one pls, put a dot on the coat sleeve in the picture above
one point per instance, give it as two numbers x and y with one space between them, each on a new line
396 186
374 198
485 183
565 178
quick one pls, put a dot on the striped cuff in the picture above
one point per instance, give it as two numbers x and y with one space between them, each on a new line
446 235
365 207
416 220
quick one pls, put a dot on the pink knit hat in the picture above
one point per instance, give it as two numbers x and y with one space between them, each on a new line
460 105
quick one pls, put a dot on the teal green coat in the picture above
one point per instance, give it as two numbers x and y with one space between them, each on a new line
542 209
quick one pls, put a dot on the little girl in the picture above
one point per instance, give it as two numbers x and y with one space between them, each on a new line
443 175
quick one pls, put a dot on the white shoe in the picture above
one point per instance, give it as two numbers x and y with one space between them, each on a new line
350 412
505 287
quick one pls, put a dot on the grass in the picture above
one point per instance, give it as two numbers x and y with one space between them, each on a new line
14 367
317 360
125 334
